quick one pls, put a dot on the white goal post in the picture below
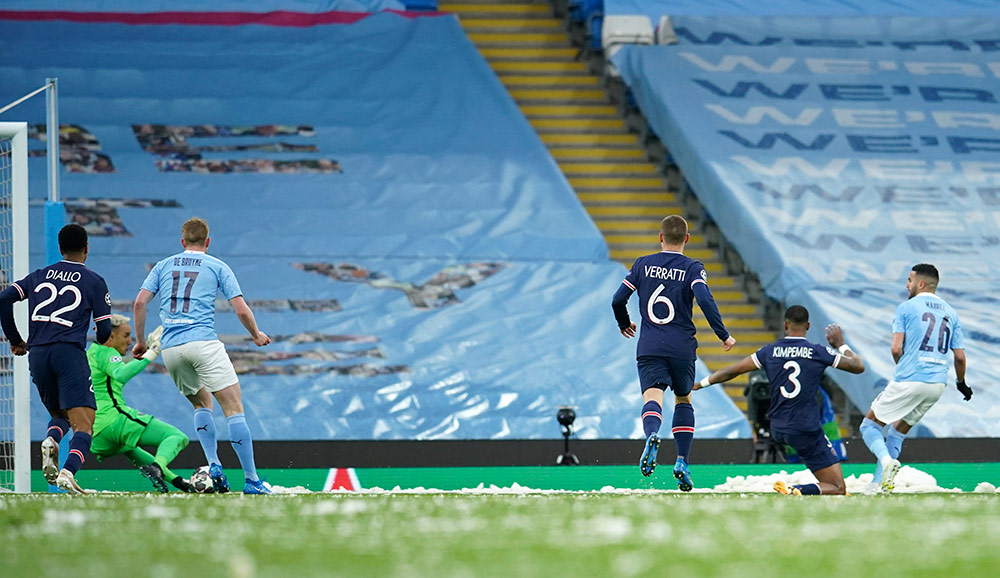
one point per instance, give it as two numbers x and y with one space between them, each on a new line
15 409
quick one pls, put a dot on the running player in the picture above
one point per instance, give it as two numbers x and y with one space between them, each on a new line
667 283
187 284
794 368
61 300
924 330
119 429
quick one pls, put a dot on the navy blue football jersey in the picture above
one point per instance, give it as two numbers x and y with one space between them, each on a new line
794 367
664 283
61 300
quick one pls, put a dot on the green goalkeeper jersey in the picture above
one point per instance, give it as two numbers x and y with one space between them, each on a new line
108 374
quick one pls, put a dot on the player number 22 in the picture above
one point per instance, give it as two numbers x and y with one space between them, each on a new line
657 298
793 378
37 315
190 276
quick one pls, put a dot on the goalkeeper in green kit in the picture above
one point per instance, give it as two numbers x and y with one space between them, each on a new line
120 429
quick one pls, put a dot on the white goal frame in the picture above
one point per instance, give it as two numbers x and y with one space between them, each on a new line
17 132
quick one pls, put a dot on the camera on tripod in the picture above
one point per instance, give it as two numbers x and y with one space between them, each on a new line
758 394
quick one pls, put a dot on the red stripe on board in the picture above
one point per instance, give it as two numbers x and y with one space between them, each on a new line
276 18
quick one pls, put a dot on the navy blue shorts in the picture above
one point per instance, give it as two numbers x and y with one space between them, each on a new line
666 373
814 448
61 374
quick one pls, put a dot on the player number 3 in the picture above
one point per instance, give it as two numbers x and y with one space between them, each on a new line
793 379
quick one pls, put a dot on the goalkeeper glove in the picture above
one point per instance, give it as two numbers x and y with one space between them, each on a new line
153 344
965 390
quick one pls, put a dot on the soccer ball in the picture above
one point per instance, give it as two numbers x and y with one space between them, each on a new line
201 481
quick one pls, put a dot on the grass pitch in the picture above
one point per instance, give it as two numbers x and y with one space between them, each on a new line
482 534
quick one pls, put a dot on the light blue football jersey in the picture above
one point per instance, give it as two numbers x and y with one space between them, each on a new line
187 284
931 330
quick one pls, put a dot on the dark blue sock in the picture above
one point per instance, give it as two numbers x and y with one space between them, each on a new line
651 417
79 449
239 436
57 428
683 429
808 489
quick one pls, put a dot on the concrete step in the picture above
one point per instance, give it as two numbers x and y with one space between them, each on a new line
536 53
616 198
630 169
734 325
505 67
591 140
575 110
549 81
527 23
518 39
578 96
596 154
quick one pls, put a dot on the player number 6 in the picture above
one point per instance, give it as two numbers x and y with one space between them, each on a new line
657 298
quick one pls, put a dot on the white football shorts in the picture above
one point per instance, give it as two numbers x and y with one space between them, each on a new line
197 364
906 400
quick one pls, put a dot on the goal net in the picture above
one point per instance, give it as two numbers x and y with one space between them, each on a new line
15 462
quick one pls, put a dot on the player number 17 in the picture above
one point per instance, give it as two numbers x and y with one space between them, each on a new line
190 276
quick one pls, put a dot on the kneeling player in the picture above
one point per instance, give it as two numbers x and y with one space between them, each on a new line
120 429
794 368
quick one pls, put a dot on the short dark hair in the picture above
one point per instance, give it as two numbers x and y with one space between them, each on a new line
797 315
72 239
927 270
674 229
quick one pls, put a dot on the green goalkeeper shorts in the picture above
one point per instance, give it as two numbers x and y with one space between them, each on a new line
120 434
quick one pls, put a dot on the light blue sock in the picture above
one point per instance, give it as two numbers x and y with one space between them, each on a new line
239 436
872 434
894 441
204 426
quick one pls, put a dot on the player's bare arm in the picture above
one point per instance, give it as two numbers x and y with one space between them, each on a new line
139 319
849 361
246 317
745 365
897 346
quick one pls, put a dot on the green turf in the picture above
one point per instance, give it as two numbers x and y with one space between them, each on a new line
584 534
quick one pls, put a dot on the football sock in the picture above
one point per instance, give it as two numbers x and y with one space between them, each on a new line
872 434
239 436
79 449
57 428
651 418
808 489
894 441
204 426
683 429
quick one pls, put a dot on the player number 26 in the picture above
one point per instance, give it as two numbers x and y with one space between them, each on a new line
657 298
54 317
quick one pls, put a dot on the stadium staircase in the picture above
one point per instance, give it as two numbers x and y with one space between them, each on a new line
622 189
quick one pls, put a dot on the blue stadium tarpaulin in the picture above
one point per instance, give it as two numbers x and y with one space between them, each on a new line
812 8
835 170
396 224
